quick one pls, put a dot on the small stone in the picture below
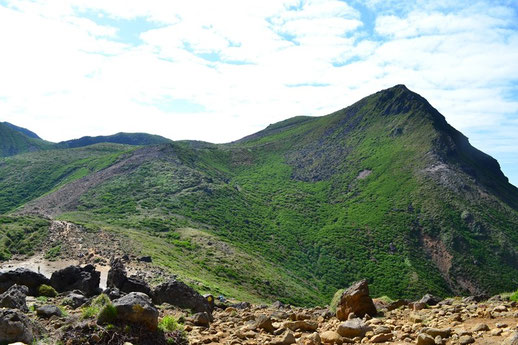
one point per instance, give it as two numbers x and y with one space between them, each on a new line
481 327
425 339
331 337
381 338
286 339
466 339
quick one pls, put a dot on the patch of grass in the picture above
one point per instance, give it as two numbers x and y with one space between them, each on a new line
335 300
53 253
169 324
107 314
89 312
514 296
47 291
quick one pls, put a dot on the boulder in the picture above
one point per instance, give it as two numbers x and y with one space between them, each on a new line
331 337
47 311
136 307
353 328
434 332
355 300
145 259
425 339
430 299
261 322
201 319
179 294
22 276
311 339
75 299
85 279
14 326
382 338
301 325
397 304
117 278
15 297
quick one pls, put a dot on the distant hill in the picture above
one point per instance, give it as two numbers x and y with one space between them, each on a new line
15 140
384 189
22 130
119 138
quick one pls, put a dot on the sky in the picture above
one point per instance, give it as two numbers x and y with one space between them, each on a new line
219 70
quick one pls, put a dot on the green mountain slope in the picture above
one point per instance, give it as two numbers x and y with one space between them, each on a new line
384 189
15 140
139 139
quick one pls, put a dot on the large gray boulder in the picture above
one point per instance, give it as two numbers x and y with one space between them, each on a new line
85 279
353 328
179 294
356 300
15 298
22 276
16 327
136 307
117 278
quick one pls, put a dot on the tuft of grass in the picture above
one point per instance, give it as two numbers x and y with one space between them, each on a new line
89 312
385 299
514 296
169 324
47 291
108 314
100 301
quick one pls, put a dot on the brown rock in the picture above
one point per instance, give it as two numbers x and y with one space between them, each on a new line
381 338
425 339
286 339
312 339
481 327
302 325
331 337
356 300
433 332
353 328
262 322
466 339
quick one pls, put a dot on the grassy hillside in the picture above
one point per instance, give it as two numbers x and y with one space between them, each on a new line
119 138
384 189
15 140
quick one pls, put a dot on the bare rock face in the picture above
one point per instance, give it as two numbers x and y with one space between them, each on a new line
14 298
356 300
22 276
85 279
136 307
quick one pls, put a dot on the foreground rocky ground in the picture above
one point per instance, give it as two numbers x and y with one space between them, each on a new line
132 312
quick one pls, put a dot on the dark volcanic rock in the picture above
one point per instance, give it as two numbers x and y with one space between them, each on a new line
14 326
179 294
356 300
75 299
85 279
22 276
430 299
14 298
117 278
47 311
136 307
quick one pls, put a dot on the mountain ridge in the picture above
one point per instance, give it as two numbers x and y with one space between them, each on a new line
384 189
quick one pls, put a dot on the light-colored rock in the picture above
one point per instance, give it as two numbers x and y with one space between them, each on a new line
425 339
382 337
331 337
353 328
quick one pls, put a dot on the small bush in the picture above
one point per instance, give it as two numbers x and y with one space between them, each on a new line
108 314
514 296
53 253
100 301
89 312
169 324
47 291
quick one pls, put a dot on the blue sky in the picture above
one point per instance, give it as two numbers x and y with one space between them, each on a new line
220 70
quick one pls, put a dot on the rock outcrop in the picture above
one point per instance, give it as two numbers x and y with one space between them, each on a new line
356 300
179 294
23 276
15 298
15 326
136 307
117 278
85 279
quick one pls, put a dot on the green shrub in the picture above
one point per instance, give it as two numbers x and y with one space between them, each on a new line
89 312
514 296
47 291
169 324
53 253
108 314
100 301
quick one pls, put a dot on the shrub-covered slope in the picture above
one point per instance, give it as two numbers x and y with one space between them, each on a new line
384 189
15 140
